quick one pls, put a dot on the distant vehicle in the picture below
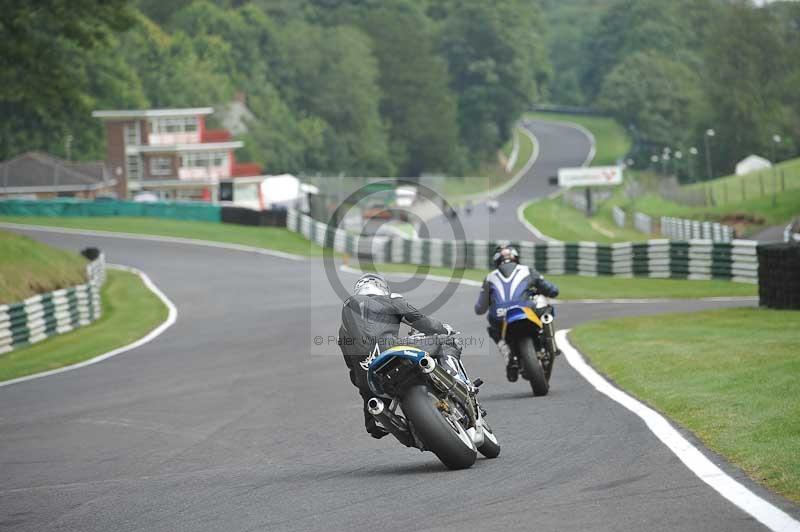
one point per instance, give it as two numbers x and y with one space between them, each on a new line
377 210
492 205
145 197
405 196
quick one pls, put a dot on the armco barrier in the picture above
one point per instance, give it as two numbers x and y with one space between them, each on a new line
57 312
683 229
693 259
619 216
68 207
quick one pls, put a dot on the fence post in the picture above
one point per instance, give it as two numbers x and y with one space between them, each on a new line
761 183
744 192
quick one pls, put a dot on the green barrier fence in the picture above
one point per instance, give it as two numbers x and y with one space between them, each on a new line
64 207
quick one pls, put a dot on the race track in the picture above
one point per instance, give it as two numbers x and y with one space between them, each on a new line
559 146
233 420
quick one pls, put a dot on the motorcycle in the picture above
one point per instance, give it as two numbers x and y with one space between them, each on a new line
530 336
439 405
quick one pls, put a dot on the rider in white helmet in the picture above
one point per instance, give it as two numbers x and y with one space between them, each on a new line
372 316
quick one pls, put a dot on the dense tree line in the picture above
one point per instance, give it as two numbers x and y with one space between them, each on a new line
669 71
370 87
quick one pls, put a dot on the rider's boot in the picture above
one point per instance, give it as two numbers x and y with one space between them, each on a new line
512 370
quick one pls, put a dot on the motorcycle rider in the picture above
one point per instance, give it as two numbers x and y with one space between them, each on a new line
371 320
509 282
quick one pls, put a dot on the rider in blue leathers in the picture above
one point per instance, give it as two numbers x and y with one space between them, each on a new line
509 283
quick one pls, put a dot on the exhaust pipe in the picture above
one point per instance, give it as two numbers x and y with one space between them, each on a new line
549 333
375 406
391 422
427 364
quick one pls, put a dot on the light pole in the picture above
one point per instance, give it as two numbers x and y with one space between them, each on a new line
690 163
709 133
653 160
678 158
776 139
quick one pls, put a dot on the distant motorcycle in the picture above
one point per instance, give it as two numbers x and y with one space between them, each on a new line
530 335
492 205
440 409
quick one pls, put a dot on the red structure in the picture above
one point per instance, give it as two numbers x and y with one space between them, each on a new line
170 152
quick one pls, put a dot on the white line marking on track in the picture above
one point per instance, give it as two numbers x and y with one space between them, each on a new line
763 511
172 316
156 238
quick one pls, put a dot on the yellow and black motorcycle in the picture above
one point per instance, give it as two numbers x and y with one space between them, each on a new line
530 335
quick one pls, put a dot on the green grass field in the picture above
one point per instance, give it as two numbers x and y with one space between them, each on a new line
264 237
579 287
730 376
130 310
611 140
736 189
786 207
28 267
561 221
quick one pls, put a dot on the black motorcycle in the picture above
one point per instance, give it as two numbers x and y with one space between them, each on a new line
439 405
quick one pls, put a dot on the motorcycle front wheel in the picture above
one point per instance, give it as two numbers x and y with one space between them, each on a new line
532 366
437 429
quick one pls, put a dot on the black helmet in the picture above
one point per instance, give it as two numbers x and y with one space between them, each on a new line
505 254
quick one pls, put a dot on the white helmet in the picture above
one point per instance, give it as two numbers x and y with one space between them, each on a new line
371 284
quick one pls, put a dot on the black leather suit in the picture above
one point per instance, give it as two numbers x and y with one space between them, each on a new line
368 320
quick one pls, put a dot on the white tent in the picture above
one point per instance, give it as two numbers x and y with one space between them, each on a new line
752 163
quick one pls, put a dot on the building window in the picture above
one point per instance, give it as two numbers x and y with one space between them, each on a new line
132 134
204 159
177 124
133 167
160 166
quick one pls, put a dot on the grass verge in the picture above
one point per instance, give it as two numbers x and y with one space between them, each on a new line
611 140
564 222
28 267
130 310
787 206
579 287
276 238
739 393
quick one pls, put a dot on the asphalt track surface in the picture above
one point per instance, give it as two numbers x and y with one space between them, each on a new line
559 146
233 420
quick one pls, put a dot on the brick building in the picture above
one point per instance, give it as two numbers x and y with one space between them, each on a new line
170 152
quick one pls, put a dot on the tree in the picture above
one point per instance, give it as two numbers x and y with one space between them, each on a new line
631 26
495 61
659 96
335 77
416 100
745 69
44 50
